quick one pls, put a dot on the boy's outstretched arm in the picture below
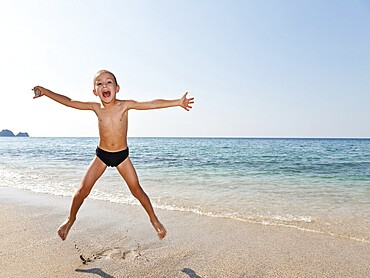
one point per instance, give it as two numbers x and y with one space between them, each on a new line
184 102
64 99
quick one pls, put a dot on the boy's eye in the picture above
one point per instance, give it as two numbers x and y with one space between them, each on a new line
109 82
98 84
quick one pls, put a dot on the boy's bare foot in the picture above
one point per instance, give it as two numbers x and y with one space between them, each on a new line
64 229
161 230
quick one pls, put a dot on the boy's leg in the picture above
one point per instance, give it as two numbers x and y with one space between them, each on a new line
93 173
127 171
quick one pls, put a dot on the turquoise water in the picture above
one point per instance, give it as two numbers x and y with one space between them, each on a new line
316 185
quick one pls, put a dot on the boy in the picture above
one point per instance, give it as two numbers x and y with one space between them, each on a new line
112 149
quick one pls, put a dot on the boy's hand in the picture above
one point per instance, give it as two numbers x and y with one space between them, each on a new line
38 91
185 102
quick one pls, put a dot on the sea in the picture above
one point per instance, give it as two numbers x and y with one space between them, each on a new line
313 185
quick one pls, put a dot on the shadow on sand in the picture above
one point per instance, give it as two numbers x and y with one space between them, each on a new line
190 272
96 271
103 274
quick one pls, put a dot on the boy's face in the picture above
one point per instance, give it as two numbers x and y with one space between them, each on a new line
105 87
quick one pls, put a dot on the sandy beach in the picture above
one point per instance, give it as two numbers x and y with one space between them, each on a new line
115 240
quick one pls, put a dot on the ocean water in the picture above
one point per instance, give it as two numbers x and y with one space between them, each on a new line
315 185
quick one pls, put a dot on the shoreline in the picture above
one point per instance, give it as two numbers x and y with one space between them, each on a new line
118 240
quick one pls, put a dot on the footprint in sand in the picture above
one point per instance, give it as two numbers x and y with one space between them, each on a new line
121 253
85 259
115 253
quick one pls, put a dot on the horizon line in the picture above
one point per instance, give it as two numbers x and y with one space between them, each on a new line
207 137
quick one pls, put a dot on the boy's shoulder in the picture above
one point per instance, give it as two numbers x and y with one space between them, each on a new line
126 101
122 101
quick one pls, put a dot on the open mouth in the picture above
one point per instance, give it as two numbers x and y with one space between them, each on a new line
106 94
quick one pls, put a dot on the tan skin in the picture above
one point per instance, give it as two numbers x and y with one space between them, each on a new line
112 121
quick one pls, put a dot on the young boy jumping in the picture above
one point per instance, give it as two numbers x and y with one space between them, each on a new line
112 149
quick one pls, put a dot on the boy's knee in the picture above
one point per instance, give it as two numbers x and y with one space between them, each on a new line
137 192
82 193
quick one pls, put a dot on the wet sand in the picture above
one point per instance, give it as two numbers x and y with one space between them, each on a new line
115 240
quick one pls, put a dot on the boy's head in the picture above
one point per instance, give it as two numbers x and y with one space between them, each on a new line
105 86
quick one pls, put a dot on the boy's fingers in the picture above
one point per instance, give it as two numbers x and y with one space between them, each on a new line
37 92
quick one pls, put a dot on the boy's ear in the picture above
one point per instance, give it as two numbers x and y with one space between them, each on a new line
95 93
118 88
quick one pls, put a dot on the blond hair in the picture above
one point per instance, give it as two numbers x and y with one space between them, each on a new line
100 72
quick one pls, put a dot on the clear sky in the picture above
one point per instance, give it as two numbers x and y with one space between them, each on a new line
256 68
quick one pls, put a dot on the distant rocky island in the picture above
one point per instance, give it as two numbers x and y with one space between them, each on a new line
9 133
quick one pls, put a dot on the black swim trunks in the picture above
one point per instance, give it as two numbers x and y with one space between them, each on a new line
112 159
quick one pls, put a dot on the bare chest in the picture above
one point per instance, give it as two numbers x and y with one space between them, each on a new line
112 119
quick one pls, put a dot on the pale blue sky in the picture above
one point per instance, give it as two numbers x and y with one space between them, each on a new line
256 68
